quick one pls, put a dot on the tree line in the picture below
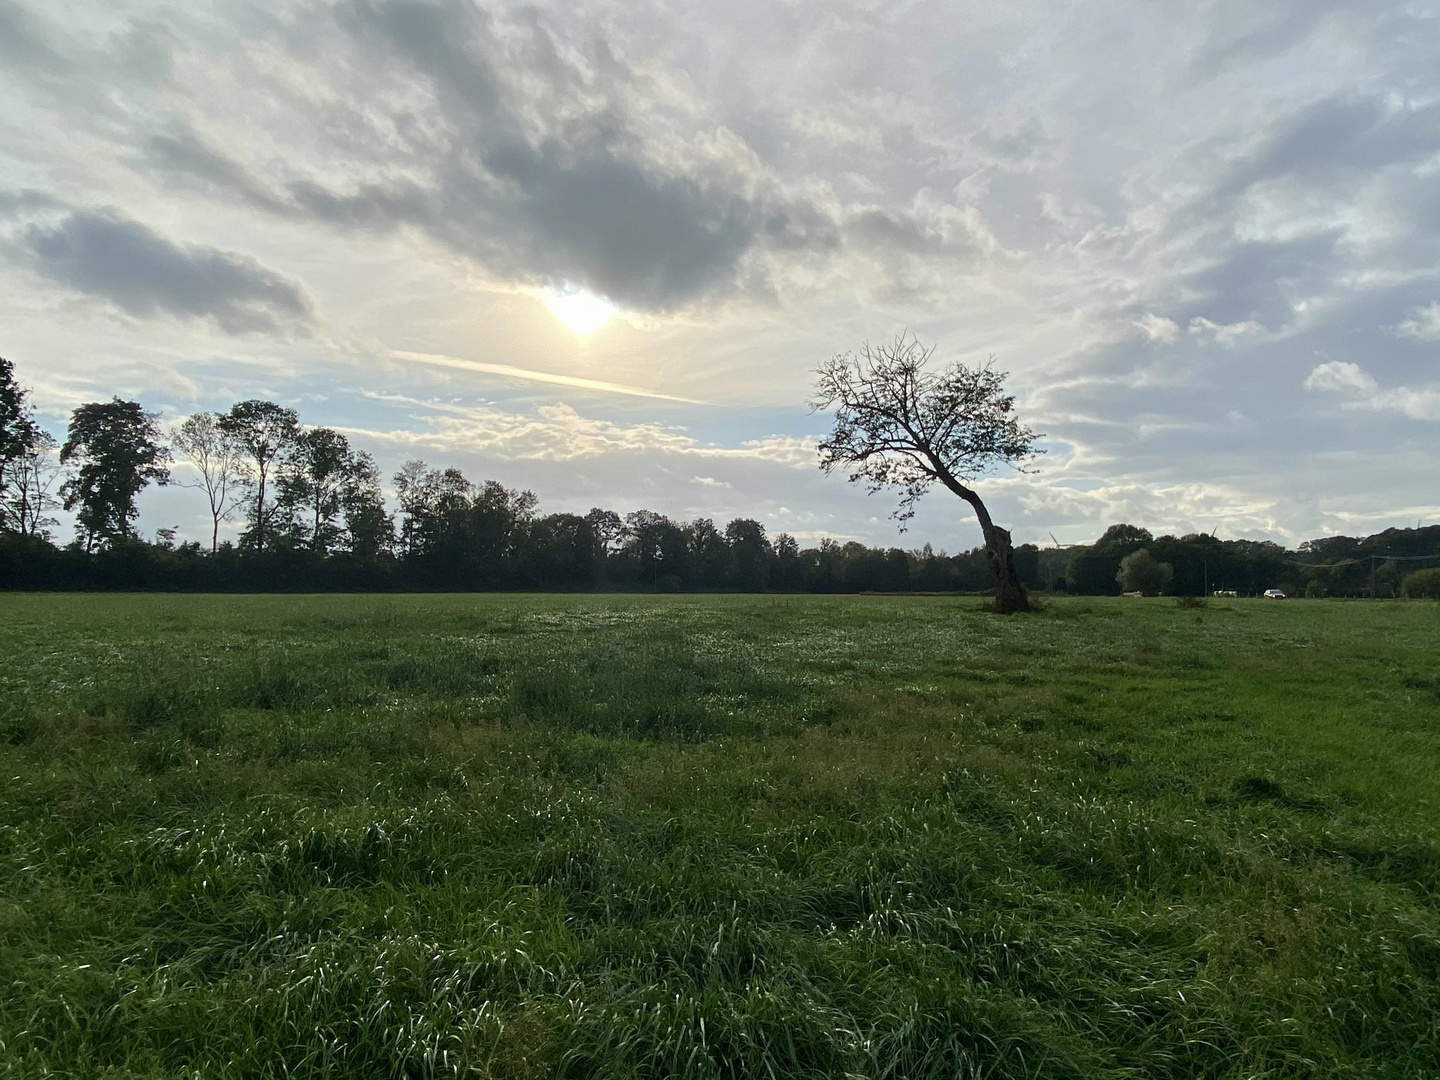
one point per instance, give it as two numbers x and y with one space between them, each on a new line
313 516
1128 558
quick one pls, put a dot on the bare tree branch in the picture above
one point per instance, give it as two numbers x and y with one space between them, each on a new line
898 424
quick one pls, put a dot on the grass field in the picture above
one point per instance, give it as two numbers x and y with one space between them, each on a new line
717 837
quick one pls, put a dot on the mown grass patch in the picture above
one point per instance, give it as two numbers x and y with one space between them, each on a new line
720 836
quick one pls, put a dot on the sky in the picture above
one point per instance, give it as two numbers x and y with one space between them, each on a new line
597 248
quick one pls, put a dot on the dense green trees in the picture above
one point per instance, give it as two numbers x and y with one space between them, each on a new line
330 496
115 449
1422 584
265 432
18 429
1143 573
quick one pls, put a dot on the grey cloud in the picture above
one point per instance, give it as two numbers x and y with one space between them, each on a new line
112 258
1338 138
24 42
50 56
1015 148
535 163
14 203
1283 28
1262 279
1024 177
561 187
1336 163
184 154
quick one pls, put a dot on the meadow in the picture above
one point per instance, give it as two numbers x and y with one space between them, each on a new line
717 836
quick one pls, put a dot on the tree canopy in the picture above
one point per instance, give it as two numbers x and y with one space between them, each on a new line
20 440
116 450
900 424
266 432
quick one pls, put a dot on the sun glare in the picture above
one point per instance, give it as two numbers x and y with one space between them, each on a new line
579 311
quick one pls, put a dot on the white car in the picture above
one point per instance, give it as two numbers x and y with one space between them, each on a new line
1274 594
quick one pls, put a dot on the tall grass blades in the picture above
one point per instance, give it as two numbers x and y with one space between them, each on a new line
721 837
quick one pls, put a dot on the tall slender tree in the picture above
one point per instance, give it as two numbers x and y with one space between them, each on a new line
115 450
19 435
899 424
28 495
221 463
266 432
324 485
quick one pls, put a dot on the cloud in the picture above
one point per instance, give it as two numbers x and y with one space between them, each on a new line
552 433
544 164
559 432
1262 280
796 451
1336 139
509 371
24 41
1423 323
1282 27
1160 330
1224 335
1165 507
107 256
1340 376
184 154
1418 404
540 153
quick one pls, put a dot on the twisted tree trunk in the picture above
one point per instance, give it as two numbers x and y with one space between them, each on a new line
1010 596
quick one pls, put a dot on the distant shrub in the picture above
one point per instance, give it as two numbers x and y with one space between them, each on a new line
1190 601
1422 584
1316 591
1141 572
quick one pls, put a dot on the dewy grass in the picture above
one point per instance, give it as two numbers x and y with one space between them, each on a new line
717 837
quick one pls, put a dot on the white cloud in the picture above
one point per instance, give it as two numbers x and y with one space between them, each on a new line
1226 334
1158 329
1424 323
1419 404
552 433
509 371
1176 508
559 432
795 451
1340 376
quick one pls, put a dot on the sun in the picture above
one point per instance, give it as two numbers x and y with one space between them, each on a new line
580 312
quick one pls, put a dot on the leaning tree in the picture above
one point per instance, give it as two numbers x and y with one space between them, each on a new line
900 424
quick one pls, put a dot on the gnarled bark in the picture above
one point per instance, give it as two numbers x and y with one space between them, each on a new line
1010 596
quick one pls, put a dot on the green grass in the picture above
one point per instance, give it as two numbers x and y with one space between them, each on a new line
717 837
